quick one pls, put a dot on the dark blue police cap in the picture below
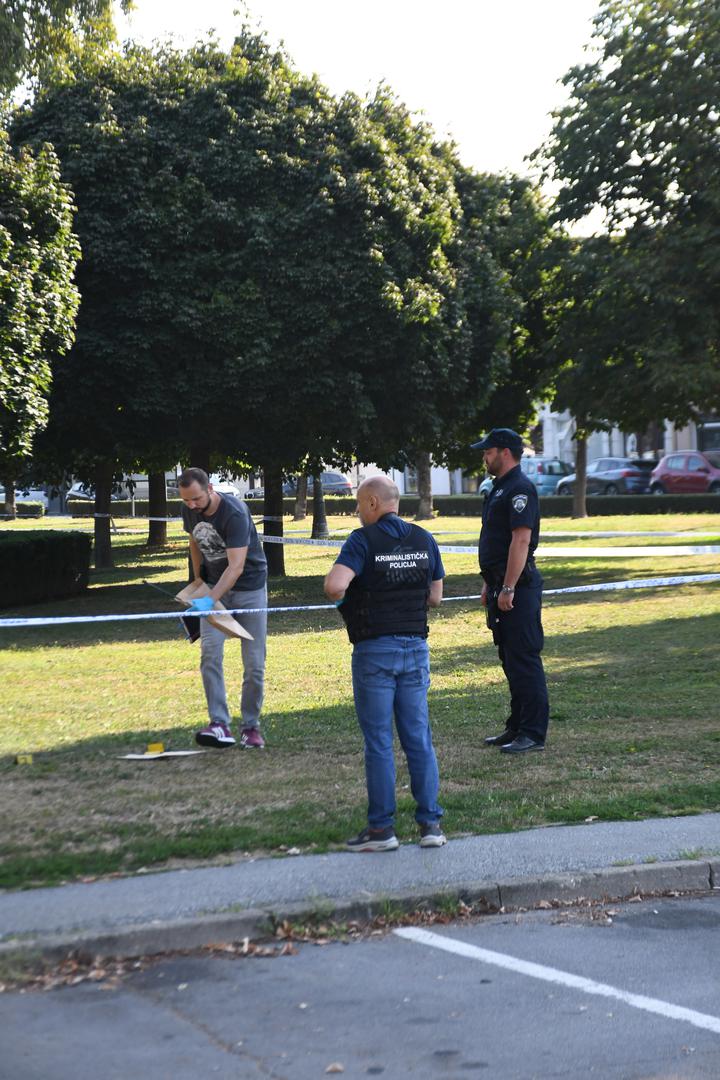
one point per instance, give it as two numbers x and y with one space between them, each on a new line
502 437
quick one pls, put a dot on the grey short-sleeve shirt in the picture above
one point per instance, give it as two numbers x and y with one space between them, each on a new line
229 527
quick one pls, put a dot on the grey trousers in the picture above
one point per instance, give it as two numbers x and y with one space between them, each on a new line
212 642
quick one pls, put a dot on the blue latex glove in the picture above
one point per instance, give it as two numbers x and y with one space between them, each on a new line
202 603
339 603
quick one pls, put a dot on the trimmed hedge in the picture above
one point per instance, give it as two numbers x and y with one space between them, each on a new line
453 505
40 566
550 505
26 509
606 505
80 508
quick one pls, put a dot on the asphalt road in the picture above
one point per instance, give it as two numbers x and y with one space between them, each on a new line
626 992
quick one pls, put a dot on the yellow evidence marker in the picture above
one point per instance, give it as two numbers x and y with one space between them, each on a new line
155 748
23 759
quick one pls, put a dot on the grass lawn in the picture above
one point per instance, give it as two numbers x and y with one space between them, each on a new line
635 720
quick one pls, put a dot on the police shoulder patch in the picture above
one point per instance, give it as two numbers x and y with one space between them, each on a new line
519 502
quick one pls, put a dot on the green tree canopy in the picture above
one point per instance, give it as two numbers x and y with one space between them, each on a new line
38 36
38 298
639 139
266 271
639 135
507 263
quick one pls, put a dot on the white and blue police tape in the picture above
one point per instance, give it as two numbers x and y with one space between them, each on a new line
608 586
542 552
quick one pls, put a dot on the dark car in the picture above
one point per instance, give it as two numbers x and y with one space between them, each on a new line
687 471
333 483
612 476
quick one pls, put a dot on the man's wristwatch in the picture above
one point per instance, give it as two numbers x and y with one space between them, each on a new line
508 589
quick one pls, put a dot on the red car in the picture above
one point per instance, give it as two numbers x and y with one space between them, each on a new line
687 471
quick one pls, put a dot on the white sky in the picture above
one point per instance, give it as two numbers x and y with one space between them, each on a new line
484 72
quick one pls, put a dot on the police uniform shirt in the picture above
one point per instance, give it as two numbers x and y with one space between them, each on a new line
512 504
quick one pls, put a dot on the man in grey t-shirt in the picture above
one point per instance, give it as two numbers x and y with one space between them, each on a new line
227 555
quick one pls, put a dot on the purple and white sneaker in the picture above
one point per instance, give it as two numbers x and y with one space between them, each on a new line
217 735
250 738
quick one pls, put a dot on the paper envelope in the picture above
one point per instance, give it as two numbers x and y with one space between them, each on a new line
226 623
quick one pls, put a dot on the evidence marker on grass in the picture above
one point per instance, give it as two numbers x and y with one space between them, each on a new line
23 759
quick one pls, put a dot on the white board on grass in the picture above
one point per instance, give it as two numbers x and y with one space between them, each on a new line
163 753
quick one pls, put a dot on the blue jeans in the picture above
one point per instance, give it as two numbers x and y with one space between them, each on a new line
391 676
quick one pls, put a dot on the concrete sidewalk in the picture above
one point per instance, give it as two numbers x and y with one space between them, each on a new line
156 912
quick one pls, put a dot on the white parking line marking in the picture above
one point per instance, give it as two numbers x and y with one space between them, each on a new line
562 978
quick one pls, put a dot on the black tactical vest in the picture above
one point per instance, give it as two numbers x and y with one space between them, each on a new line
391 594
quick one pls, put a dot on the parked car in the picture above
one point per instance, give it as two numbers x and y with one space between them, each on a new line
80 492
612 476
255 493
545 472
224 487
687 471
333 483
27 495
133 487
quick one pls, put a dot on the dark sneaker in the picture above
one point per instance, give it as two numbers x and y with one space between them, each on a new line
251 738
521 744
218 735
431 835
374 840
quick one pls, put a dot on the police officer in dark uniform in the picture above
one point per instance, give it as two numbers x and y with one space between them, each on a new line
512 590
385 576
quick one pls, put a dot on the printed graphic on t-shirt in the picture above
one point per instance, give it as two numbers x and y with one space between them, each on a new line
210 542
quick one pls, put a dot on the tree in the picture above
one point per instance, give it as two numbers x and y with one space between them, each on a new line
301 493
638 139
109 404
38 298
38 37
596 365
268 275
507 261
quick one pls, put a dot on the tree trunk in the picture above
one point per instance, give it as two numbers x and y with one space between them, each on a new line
274 553
579 508
301 499
10 510
319 526
200 457
424 482
103 489
157 507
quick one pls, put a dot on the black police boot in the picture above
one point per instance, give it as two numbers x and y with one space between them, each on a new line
501 740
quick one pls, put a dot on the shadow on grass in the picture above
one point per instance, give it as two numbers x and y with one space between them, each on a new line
307 730
684 638
320 748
